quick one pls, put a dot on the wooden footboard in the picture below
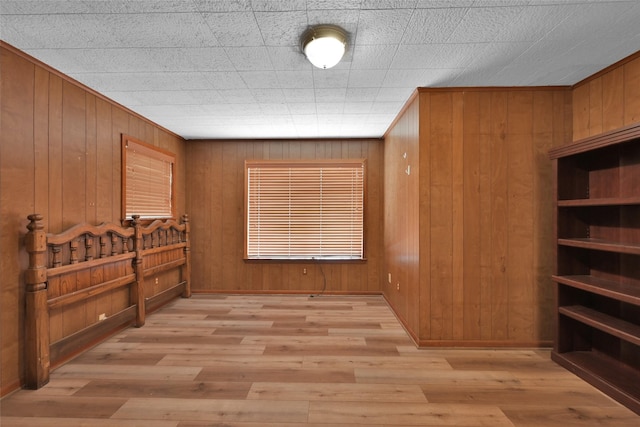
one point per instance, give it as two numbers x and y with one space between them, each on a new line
88 281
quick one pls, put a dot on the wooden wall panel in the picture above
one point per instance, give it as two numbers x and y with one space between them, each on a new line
632 92
441 215
17 182
484 197
215 197
520 222
607 100
499 215
471 157
612 93
60 157
402 212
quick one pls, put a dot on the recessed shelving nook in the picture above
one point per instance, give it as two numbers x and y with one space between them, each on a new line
597 271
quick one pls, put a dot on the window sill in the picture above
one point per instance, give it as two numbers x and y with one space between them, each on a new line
305 260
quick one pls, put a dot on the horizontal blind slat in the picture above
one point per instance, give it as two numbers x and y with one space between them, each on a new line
303 210
149 177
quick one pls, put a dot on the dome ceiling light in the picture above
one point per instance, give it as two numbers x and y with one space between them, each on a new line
324 45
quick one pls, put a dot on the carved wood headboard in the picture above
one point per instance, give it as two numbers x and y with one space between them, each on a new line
89 281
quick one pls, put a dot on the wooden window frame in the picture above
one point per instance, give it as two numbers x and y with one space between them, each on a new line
150 151
359 254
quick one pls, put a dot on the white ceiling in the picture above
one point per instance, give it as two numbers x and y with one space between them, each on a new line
233 68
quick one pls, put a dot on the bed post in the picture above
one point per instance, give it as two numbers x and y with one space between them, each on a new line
137 291
186 271
36 347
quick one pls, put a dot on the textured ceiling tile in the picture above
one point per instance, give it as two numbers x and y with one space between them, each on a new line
268 95
160 30
273 108
250 58
303 108
372 56
304 119
330 94
115 82
111 30
579 55
330 108
366 78
397 94
236 96
361 94
333 4
299 95
130 99
385 108
93 6
417 78
483 24
378 118
295 79
260 79
222 5
546 18
203 58
388 4
282 28
589 19
225 80
167 97
382 26
626 25
82 31
347 19
437 4
278 5
501 3
288 58
136 59
435 55
235 28
432 25
494 56
357 107
330 78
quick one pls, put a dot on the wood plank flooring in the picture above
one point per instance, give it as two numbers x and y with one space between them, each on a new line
248 361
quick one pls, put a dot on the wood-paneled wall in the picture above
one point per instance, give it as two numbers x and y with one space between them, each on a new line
607 100
60 157
479 200
402 231
215 196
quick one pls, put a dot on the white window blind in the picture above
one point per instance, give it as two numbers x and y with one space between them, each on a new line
147 180
304 210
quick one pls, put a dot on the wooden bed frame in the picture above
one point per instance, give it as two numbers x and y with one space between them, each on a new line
87 282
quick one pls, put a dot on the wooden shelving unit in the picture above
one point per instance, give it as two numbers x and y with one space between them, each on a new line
597 271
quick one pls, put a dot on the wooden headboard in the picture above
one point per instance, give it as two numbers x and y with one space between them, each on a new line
89 281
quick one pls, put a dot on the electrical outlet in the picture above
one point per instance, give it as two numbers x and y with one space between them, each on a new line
398 286
304 271
157 281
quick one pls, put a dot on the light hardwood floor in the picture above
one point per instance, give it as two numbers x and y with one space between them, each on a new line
241 361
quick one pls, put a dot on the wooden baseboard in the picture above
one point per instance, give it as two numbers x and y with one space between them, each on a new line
485 344
155 302
77 343
10 388
310 292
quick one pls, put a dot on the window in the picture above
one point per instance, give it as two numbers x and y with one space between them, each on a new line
304 210
147 180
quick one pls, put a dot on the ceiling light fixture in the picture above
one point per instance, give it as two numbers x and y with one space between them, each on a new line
324 45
